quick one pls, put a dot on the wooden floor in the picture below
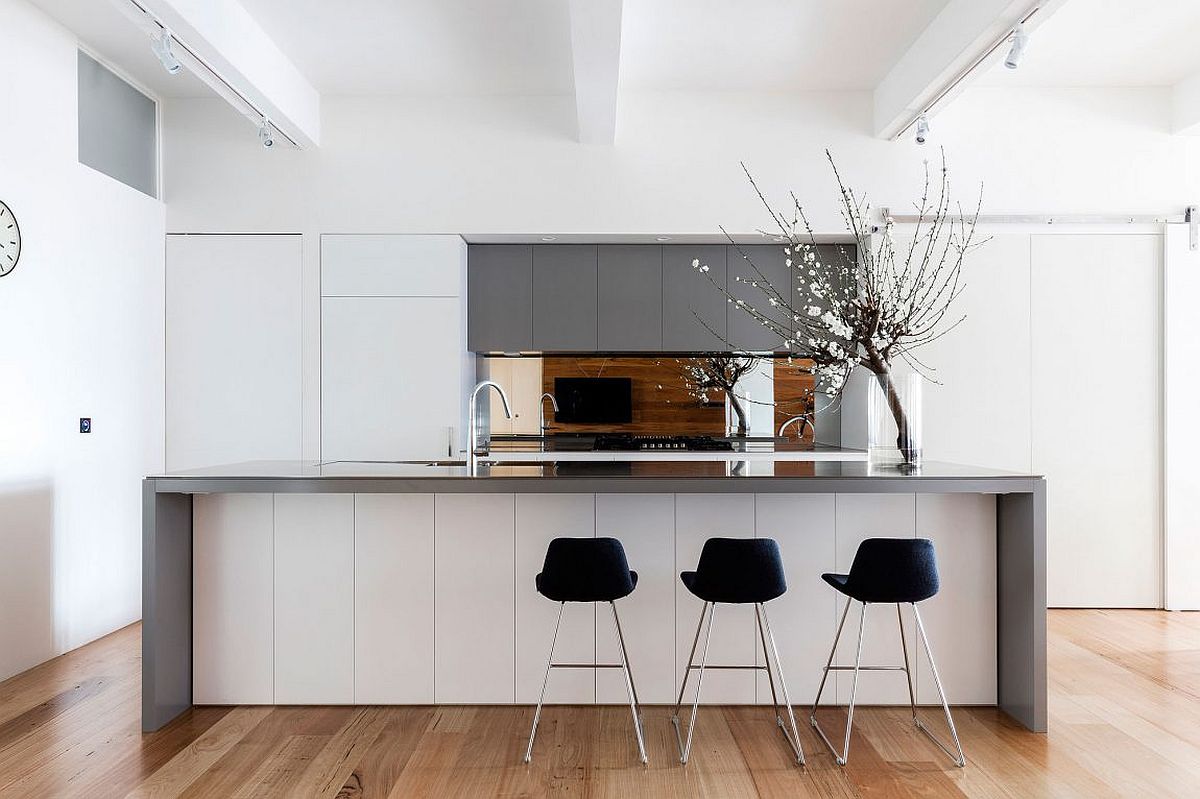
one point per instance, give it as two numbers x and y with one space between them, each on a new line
1124 721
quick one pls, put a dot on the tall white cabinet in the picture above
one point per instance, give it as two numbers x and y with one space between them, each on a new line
394 363
233 332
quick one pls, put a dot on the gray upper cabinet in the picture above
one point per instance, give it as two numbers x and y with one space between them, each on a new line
629 298
765 264
693 308
500 297
564 297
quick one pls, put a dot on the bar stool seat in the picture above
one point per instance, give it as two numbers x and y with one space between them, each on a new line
892 571
587 570
737 571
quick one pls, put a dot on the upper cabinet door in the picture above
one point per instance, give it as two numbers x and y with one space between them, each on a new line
629 298
564 297
392 266
766 265
500 297
693 308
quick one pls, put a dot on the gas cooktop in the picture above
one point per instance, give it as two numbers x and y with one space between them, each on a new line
622 442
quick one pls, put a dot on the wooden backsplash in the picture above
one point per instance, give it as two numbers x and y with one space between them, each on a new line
661 404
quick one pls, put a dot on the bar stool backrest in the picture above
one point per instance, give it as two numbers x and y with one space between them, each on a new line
894 570
740 570
585 570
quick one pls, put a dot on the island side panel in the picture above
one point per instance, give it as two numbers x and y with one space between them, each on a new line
1021 605
166 605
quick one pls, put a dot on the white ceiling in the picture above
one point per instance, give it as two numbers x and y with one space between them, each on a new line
766 45
523 46
1110 43
471 47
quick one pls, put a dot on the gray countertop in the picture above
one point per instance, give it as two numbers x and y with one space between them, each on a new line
590 476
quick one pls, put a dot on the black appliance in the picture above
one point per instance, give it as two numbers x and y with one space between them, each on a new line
623 442
593 400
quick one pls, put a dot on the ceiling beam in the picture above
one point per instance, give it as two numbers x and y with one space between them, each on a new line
940 62
1185 106
596 53
247 68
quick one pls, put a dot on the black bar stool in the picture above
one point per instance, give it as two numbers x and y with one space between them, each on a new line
587 570
888 571
737 571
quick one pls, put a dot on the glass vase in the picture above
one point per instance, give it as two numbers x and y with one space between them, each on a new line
894 419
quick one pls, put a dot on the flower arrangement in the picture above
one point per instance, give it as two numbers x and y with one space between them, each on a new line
868 311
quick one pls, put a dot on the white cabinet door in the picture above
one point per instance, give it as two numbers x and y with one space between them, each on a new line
473 629
861 516
645 525
392 266
232 599
699 517
540 518
961 619
391 377
803 619
232 349
393 599
314 599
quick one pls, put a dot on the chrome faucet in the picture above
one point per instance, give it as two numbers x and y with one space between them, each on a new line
472 410
542 409
802 419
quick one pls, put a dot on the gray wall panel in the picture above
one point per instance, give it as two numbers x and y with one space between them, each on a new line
499 297
564 297
118 132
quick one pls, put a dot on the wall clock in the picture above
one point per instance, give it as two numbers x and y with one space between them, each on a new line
10 240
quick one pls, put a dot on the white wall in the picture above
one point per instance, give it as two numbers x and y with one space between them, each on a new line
81 333
511 165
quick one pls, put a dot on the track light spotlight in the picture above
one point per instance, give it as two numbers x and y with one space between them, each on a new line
161 44
922 129
266 135
1020 40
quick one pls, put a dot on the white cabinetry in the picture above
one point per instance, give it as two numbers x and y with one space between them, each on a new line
393 599
803 619
232 349
645 525
232 599
474 635
314 599
861 516
394 366
699 517
540 518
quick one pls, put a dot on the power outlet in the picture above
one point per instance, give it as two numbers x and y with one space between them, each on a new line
85 424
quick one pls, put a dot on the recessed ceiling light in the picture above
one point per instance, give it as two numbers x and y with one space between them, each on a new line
549 238
662 238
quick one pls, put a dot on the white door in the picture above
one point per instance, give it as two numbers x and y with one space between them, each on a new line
1097 415
232 349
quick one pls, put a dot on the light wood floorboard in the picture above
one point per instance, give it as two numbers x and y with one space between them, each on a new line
1124 721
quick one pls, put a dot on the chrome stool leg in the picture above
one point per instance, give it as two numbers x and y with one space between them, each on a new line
634 705
959 759
912 696
537 714
794 739
862 619
685 751
687 671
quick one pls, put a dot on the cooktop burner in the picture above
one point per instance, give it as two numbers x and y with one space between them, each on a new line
610 442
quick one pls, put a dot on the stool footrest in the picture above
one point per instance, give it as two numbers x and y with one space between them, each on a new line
866 668
586 666
711 666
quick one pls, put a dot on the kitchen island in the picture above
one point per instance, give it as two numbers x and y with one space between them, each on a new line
408 583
